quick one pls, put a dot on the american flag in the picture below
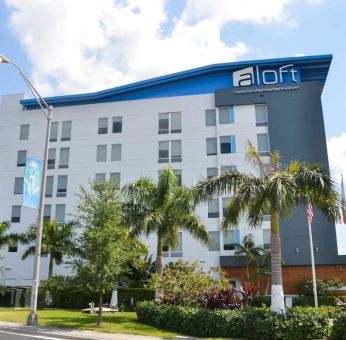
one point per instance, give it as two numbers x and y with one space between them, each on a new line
343 203
309 212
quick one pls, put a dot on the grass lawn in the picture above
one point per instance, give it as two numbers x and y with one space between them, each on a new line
66 318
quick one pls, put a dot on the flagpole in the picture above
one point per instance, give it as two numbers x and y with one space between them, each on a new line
313 265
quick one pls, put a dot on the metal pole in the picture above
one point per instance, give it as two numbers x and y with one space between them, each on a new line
32 317
313 265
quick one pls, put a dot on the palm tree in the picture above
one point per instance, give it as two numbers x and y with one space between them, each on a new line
248 249
162 208
138 273
279 189
57 241
9 239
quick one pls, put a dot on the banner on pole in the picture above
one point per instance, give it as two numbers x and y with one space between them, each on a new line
32 183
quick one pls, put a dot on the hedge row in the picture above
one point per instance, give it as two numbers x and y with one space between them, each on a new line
329 300
251 323
63 292
338 329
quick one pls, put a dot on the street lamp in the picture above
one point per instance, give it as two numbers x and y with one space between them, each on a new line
48 112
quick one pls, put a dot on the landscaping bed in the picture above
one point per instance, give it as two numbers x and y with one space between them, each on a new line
248 323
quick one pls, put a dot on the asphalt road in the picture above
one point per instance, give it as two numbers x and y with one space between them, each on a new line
16 331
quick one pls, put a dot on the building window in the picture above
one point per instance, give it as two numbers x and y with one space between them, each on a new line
266 238
177 251
115 179
226 115
24 132
210 117
211 172
116 152
54 132
211 146
225 202
103 126
261 115
51 158
47 212
230 237
49 186
227 144
225 168
101 155
169 122
214 240
60 213
18 185
213 208
177 173
117 125
64 158
66 130
100 178
21 158
164 152
13 248
163 123
263 144
175 122
165 147
62 186
15 217
175 151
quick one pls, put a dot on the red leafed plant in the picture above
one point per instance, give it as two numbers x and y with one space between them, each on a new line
248 290
227 298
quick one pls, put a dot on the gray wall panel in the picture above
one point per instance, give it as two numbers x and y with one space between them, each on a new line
296 129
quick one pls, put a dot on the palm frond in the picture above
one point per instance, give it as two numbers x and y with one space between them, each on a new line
194 226
224 184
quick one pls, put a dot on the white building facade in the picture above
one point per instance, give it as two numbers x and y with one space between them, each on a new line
129 132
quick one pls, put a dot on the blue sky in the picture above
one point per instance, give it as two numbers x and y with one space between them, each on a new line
84 45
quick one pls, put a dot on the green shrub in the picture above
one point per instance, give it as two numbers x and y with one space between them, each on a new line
66 292
260 301
327 300
128 297
338 329
324 287
182 282
250 323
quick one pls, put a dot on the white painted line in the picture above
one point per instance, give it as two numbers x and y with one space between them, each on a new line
30 335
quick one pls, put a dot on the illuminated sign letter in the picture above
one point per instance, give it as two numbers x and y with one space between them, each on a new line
244 77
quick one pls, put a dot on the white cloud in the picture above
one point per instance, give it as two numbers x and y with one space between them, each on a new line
87 45
337 161
337 156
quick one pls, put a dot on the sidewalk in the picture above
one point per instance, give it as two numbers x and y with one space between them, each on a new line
62 333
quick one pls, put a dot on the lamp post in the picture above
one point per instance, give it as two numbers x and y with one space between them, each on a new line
48 112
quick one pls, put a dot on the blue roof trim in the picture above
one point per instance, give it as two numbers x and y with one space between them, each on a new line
199 80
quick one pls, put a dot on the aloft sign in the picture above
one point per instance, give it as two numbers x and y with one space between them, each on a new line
257 75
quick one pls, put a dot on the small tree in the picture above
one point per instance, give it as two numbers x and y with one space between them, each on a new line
57 241
248 249
104 246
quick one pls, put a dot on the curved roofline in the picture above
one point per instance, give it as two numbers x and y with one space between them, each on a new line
94 97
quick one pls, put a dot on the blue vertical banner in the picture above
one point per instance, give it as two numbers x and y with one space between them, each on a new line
32 183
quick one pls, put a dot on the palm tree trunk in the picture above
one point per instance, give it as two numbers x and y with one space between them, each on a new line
277 295
159 259
247 272
50 268
99 317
